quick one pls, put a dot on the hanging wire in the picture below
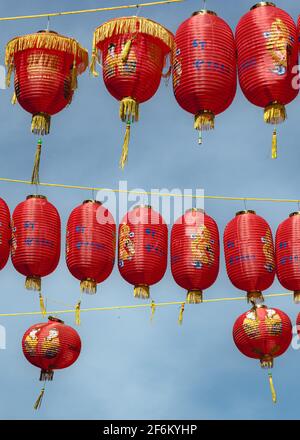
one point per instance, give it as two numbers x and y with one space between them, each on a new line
48 24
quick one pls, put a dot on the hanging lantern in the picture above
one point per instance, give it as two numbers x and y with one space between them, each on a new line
195 253
35 239
5 233
267 47
263 333
288 254
143 249
134 52
204 67
46 66
50 346
90 244
249 254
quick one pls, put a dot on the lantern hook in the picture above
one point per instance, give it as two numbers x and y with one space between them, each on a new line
48 23
245 204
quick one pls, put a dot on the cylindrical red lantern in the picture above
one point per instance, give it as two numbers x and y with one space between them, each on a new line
204 67
90 244
143 249
51 346
134 50
249 254
287 246
267 48
263 333
46 66
195 253
35 249
5 233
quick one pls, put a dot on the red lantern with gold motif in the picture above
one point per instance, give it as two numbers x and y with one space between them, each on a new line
134 51
195 253
143 249
90 244
263 333
5 233
249 254
267 48
36 233
287 246
204 67
46 66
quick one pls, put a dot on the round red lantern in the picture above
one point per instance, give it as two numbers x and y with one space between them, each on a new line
204 67
134 51
90 244
267 48
287 246
51 346
195 253
5 233
35 249
143 249
46 66
249 254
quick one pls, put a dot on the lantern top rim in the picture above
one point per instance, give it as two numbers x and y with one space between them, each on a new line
91 201
52 318
36 196
294 213
195 210
204 12
258 5
143 206
245 211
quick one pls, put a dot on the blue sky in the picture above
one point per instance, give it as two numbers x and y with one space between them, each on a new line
129 368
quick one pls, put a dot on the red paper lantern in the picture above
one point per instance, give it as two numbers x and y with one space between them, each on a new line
195 253
5 233
51 346
266 39
134 51
90 244
287 247
249 254
46 66
204 67
35 239
143 249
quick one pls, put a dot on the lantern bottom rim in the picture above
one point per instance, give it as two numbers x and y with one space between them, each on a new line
194 297
255 296
40 123
89 286
33 282
141 291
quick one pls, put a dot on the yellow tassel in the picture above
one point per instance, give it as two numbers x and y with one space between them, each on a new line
74 83
275 113
125 147
129 110
274 144
153 308
14 99
126 50
297 296
42 304
194 297
9 73
272 388
35 178
142 292
33 283
93 65
41 124
204 120
77 313
180 318
88 286
39 400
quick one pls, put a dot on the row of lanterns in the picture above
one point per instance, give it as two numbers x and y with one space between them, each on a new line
33 237
133 52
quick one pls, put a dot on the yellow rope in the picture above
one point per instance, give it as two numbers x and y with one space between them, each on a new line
153 193
85 11
137 306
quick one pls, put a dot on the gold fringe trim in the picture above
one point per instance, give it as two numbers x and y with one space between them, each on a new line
133 25
142 292
33 283
88 286
42 305
46 40
272 388
125 147
35 178
275 113
297 296
180 317
39 400
40 124
77 313
267 362
204 120
255 297
274 144
194 297
129 110
14 99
